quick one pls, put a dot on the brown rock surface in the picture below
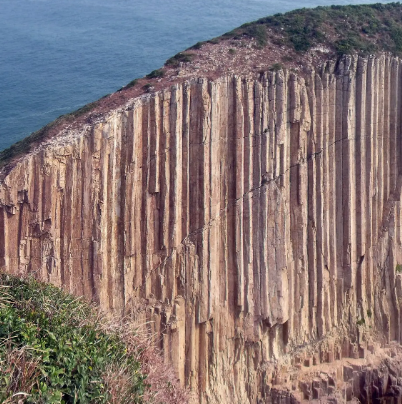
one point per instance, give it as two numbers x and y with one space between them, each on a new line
255 218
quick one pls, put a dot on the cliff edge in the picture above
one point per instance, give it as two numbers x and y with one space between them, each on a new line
249 211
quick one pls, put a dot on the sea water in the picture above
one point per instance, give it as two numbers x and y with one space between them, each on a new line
57 55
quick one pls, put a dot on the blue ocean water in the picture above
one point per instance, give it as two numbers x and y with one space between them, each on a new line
57 55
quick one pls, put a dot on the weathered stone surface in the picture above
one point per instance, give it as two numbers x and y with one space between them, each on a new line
256 219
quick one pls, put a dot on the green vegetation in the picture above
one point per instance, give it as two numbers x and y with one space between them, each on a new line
132 83
256 31
198 45
369 313
54 349
155 74
276 67
232 51
286 58
182 57
398 268
361 322
360 28
214 41
147 87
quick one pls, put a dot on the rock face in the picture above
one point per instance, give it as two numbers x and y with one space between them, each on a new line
257 221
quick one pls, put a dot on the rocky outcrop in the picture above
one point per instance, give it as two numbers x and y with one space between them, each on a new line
257 220
376 378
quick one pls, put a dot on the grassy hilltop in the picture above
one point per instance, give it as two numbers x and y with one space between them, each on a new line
357 28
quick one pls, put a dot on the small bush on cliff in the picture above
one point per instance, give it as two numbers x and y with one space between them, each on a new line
276 67
156 74
147 87
256 31
181 57
198 45
132 83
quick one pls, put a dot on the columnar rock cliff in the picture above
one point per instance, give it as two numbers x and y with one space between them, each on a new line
256 219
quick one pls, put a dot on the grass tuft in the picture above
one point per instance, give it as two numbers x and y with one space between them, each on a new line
131 84
159 73
276 67
198 45
182 57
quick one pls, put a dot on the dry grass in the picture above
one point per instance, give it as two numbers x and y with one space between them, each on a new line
20 372
163 385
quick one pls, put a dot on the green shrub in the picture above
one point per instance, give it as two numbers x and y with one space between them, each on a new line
345 45
214 41
276 67
132 83
396 36
147 86
198 45
181 57
53 350
156 74
258 32
83 110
